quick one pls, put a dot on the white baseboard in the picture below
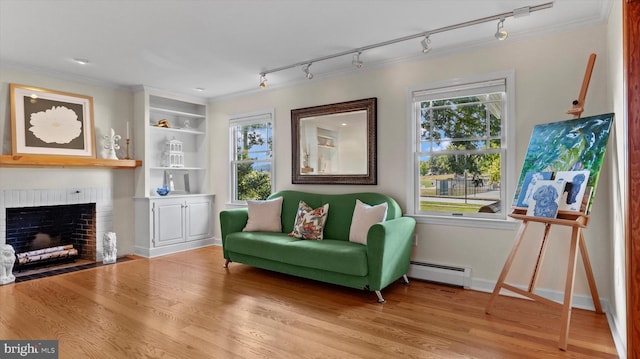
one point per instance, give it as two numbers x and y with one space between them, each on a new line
619 336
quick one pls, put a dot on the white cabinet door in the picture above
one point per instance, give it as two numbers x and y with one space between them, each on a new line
169 222
172 224
199 218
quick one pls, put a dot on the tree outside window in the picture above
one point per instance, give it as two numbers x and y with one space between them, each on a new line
252 158
460 149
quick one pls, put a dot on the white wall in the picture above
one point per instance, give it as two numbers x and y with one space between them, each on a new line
112 108
619 183
548 69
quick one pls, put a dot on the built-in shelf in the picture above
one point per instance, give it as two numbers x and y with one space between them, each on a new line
56 161
176 113
178 130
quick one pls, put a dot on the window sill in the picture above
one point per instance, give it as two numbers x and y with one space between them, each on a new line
502 224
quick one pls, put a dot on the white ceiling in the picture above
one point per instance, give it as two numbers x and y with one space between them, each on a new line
222 46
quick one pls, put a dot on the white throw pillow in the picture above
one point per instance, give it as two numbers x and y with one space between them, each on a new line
264 216
365 216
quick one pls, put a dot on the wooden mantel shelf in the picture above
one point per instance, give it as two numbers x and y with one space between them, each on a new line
55 161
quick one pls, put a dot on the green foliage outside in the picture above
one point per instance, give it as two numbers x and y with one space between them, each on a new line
252 184
461 125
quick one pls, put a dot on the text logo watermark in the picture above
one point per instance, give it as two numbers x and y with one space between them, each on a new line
40 349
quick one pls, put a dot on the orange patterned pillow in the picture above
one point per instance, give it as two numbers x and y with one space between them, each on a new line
310 222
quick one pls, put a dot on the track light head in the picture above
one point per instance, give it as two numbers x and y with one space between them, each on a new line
356 60
501 33
306 71
426 44
263 81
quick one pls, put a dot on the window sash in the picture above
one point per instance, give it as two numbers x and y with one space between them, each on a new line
264 156
495 103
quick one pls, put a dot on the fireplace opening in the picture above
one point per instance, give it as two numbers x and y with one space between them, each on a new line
51 236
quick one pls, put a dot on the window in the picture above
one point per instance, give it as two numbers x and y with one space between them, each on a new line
251 142
460 148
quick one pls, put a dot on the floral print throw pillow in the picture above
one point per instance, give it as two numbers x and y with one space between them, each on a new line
310 222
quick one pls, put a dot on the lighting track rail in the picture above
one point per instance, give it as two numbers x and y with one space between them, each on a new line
501 35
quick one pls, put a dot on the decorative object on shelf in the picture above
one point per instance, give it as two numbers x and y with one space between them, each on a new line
48 122
163 191
109 247
7 260
167 182
305 162
186 124
173 155
127 142
162 123
111 144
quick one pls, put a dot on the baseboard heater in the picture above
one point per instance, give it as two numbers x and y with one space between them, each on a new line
458 276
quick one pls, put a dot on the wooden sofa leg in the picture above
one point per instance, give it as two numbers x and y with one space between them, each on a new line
226 263
405 280
380 299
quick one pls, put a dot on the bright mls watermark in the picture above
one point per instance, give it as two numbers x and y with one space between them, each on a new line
41 349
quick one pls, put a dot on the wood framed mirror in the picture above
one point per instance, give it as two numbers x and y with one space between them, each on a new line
335 144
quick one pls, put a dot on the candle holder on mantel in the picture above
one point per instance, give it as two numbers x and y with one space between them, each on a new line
126 155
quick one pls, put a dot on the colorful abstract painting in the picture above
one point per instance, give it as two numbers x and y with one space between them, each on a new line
572 145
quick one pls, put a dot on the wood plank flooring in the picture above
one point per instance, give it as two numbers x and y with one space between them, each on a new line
187 305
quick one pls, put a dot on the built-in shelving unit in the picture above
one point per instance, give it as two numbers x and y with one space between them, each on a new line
183 219
182 119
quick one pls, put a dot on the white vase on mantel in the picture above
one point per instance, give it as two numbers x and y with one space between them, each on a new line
111 144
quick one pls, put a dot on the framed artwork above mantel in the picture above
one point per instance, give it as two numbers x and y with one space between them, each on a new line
51 123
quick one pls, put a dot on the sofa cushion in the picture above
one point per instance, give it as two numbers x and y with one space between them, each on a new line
331 255
309 223
339 218
365 216
264 216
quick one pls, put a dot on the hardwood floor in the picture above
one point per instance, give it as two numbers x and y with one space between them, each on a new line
188 306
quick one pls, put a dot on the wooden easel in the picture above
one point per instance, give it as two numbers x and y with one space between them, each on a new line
577 221
578 105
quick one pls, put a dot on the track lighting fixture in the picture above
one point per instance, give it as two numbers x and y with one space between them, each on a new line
356 60
426 47
263 81
501 33
307 72
81 61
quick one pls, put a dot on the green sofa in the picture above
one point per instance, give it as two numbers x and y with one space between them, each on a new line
384 259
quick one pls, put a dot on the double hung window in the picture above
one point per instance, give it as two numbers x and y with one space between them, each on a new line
251 142
460 148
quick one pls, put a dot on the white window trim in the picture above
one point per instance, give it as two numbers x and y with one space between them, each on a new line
508 183
249 118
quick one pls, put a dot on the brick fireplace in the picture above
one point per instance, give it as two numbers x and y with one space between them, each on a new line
20 210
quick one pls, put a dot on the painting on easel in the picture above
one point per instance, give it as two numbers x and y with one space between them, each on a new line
572 145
